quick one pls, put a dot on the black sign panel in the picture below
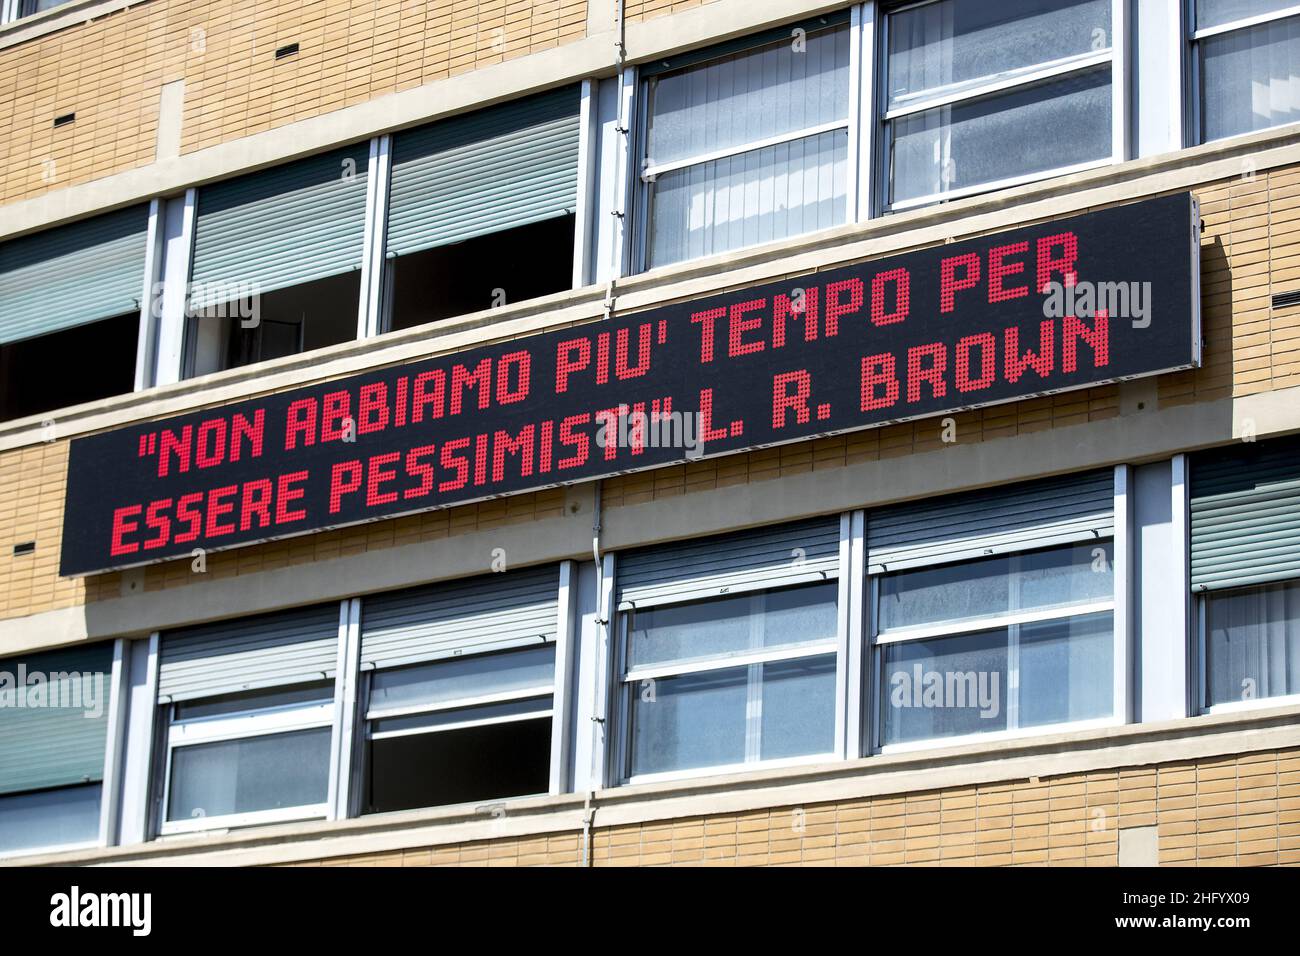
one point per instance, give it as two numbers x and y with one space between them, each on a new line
1055 306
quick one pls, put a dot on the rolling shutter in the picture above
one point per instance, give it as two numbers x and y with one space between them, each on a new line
44 746
73 275
280 227
770 557
270 650
499 168
1245 514
492 613
1061 510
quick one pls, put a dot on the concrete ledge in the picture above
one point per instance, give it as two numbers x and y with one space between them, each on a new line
1049 755
63 17
1143 436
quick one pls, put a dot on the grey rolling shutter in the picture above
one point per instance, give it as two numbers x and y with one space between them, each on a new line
1061 510
73 275
44 746
748 561
491 613
499 168
270 650
280 227
1245 514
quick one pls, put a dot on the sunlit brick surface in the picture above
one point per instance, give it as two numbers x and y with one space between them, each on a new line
1230 811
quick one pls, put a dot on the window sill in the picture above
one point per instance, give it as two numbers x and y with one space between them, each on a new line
71 14
1190 738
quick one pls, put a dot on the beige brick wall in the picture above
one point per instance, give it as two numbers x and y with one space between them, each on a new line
1250 249
110 72
649 9
1229 811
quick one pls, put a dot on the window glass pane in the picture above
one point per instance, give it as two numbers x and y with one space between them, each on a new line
1059 123
763 619
1060 576
749 96
944 47
944 687
1250 79
254 773
748 198
28 7
489 762
1066 670
528 707
798 707
1253 642
307 695
695 720
49 818
1213 13
1054 577
462 678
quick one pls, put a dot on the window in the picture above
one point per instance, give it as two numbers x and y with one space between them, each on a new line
1253 643
459 691
1247 59
481 210
729 681
28 7
997 644
54 711
247 720
747 147
455 731
964 80
70 313
1245 570
276 262
248 758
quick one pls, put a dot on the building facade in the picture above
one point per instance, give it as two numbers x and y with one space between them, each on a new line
1056 622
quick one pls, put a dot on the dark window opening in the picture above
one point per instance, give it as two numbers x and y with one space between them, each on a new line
459 766
300 318
81 364
464 277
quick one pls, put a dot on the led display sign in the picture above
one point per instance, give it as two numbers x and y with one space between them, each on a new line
1059 305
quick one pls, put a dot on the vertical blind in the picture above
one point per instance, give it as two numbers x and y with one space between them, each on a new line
498 168
765 192
253 653
280 227
1079 507
72 275
490 613
44 743
1245 514
769 557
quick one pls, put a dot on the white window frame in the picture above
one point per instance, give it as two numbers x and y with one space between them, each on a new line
1010 620
1116 55
1194 36
548 707
240 725
646 171
110 782
1203 705
558 692
628 678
